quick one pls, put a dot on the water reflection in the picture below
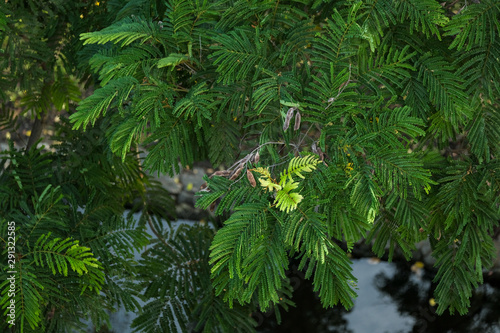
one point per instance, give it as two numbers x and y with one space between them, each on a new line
392 298
413 296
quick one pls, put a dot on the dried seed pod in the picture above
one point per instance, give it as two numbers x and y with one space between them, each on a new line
256 158
237 172
251 178
203 186
288 117
222 173
298 117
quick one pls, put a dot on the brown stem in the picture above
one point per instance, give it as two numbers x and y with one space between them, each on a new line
36 131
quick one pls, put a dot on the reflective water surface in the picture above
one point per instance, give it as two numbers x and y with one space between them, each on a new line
392 298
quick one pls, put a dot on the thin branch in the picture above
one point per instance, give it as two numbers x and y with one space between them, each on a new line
150 223
341 89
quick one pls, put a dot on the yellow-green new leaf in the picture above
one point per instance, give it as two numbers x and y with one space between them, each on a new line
269 184
286 200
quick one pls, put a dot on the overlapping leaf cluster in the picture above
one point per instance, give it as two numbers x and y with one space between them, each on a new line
382 88
397 99
74 249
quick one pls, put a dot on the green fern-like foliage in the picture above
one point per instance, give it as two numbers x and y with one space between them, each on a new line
378 118
180 294
39 54
286 200
58 253
373 88
73 242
